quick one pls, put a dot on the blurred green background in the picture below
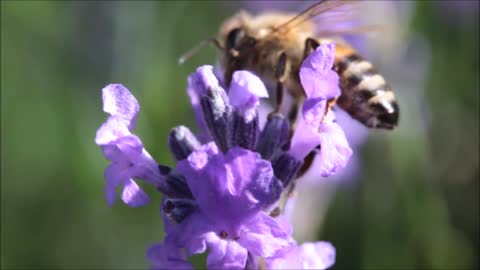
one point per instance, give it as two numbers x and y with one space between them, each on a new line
415 205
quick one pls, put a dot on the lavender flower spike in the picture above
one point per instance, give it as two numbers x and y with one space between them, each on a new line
125 151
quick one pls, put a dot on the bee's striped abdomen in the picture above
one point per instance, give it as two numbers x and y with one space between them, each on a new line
366 96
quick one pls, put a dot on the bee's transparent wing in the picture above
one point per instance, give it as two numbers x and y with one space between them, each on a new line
331 18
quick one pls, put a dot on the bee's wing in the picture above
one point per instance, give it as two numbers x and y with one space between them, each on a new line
331 18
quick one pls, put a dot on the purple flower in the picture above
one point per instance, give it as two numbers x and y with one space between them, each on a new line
125 151
318 255
219 194
316 127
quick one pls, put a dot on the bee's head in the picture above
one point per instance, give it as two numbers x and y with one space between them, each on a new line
233 36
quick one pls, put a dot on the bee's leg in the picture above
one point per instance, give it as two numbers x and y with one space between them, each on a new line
292 114
227 76
307 163
310 46
230 69
280 74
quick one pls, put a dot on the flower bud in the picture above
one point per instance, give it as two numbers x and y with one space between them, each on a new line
285 167
178 209
244 131
182 142
177 186
218 114
274 136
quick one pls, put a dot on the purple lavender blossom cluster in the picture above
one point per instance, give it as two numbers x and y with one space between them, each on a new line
228 185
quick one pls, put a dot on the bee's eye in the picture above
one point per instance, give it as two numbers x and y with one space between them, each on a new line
234 37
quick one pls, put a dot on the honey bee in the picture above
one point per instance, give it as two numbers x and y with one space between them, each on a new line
274 45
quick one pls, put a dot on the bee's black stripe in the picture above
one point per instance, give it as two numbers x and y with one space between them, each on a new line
355 79
343 64
352 81
307 163
385 88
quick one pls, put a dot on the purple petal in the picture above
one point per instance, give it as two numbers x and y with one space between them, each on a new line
313 112
114 176
246 89
124 150
203 79
120 146
197 245
283 220
133 195
128 151
117 142
289 259
316 129
335 151
199 158
226 255
129 159
304 141
228 188
319 255
264 237
110 131
164 256
193 233
316 74
119 102
316 85
306 136
252 176
321 60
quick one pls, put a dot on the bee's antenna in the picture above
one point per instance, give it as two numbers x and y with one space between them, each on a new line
197 48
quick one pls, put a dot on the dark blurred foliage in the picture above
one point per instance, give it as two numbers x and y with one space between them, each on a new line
415 206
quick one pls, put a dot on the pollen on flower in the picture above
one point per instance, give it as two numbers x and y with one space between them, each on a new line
275 212
168 207
223 234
